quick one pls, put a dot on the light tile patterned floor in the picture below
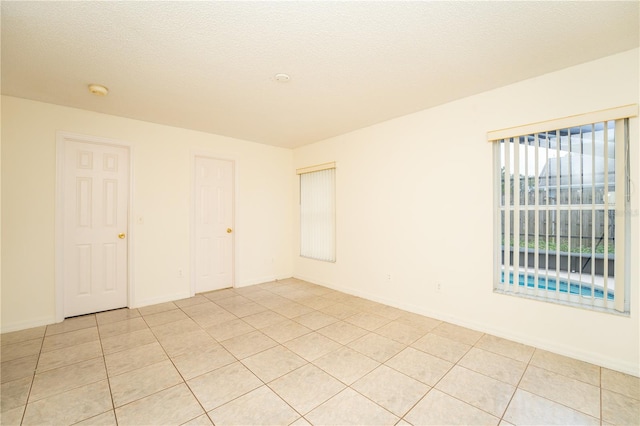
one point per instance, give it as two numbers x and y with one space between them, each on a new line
290 352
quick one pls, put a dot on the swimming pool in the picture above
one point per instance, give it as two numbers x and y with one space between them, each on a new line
550 284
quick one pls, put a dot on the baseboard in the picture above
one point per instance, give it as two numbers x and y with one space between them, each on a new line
160 299
23 325
262 280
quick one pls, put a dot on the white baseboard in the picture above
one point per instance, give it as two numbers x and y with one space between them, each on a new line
160 299
23 325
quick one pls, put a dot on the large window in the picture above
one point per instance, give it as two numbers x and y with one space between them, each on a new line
317 212
562 201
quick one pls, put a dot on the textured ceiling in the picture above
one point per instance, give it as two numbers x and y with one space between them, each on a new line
210 66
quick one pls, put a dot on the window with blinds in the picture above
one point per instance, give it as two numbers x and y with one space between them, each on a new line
562 200
317 212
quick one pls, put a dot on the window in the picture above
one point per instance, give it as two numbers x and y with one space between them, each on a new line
317 212
562 201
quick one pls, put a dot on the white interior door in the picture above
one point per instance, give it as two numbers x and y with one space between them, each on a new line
213 224
96 197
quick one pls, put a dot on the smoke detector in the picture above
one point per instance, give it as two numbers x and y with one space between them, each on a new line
98 90
282 78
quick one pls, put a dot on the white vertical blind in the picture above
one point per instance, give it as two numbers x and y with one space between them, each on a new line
561 214
318 214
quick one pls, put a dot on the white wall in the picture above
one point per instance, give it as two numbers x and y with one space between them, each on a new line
162 161
415 200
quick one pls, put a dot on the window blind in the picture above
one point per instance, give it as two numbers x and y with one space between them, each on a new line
317 212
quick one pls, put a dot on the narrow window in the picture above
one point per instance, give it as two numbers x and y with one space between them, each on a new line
561 231
317 212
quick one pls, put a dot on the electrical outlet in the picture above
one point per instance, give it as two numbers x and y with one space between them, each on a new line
388 277
180 273
438 287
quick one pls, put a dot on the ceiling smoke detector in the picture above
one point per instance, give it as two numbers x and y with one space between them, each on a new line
282 78
98 90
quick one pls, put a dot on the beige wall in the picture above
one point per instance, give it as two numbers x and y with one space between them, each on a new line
415 200
162 161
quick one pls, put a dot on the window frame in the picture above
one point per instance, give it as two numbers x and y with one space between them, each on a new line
620 304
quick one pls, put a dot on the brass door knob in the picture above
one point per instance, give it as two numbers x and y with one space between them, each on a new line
229 230
121 235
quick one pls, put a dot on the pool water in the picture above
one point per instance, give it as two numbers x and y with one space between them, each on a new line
550 284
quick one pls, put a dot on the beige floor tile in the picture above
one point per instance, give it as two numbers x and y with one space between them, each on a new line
233 301
619 409
422 323
259 407
134 358
20 349
246 309
273 363
367 321
312 346
200 309
399 332
71 338
220 294
18 368
229 329
264 319
376 347
419 365
392 390
14 394
171 406
183 326
346 365
22 335
528 409
388 312
12 417
225 384
564 390
315 320
116 315
195 341
66 378
566 366
127 341
202 420
342 332
104 419
441 347
496 366
350 408
213 318
285 331
339 310
621 383
71 406
482 392
154 320
505 347
198 299
143 382
316 302
457 333
116 328
300 422
248 344
318 388
292 309
154 309
72 324
438 408
195 363
70 355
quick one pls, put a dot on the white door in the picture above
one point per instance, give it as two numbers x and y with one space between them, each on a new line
96 196
213 224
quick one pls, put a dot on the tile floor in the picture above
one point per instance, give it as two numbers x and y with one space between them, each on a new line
290 352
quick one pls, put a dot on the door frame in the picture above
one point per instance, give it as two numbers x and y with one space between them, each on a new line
61 138
192 231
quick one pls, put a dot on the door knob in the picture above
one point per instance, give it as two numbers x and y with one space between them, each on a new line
229 230
121 235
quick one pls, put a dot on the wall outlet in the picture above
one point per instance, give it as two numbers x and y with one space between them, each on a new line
387 277
180 274
438 287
